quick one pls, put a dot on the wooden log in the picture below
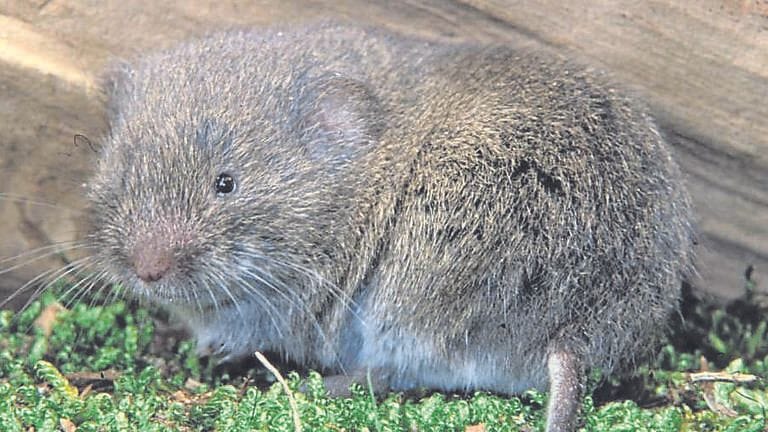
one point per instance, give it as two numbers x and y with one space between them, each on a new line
702 66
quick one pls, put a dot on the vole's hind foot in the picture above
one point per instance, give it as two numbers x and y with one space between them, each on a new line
566 387
369 379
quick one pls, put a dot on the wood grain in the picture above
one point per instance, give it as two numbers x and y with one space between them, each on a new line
702 66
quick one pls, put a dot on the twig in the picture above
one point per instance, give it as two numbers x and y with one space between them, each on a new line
737 378
291 400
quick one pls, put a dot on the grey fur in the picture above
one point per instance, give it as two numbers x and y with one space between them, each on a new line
450 216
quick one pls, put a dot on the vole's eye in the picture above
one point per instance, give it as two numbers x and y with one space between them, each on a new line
225 184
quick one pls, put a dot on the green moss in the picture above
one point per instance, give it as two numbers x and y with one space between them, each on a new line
42 385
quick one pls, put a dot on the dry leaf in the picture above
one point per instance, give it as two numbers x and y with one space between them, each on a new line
87 390
93 381
180 396
191 384
714 405
67 425
708 389
475 428
47 318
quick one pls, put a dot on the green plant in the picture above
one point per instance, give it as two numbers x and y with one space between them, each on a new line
97 367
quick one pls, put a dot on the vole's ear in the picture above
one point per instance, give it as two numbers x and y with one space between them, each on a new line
340 119
115 82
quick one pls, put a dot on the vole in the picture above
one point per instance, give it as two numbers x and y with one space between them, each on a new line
449 216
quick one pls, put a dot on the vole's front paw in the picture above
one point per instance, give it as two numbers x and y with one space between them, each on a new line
207 347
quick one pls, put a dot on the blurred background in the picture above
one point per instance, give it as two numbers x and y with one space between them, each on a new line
702 67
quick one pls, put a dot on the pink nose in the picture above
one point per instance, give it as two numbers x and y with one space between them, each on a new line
152 261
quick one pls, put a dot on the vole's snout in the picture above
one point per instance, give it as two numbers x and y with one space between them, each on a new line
152 259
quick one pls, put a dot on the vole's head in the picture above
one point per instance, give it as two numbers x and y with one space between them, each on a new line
225 170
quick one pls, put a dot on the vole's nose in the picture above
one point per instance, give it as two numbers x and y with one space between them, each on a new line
152 260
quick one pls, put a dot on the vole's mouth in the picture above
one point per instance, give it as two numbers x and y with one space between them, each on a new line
161 291
170 290
179 291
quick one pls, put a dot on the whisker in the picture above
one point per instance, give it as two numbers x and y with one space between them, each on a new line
72 270
223 286
301 306
348 303
213 296
109 282
95 278
35 259
22 199
197 299
266 281
58 247
80 288
309 272
101 279
263 301
53 276
57 272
